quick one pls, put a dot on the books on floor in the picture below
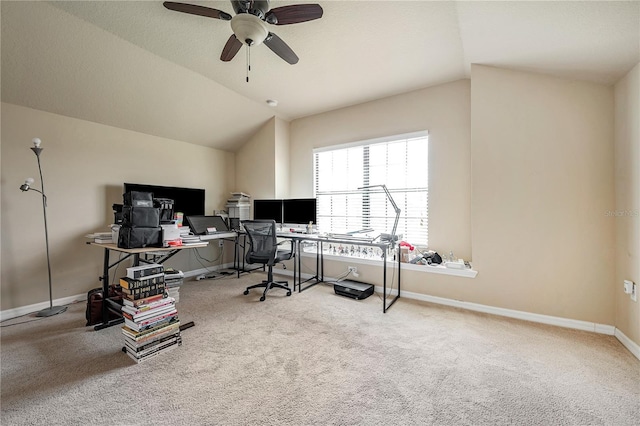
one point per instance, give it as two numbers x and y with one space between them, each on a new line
151 323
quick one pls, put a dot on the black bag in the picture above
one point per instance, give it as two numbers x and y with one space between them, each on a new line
130 237
93 313
144 217
138 199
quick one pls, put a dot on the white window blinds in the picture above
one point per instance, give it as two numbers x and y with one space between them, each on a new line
400 163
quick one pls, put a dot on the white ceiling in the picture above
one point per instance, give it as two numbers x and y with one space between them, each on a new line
138 66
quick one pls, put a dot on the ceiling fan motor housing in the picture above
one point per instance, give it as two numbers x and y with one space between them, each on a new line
256 7
249 29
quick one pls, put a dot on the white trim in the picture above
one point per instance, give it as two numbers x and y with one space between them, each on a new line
526 316
633 347
29 309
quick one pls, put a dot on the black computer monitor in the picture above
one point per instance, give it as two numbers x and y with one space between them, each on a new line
189 201
299 211
267 209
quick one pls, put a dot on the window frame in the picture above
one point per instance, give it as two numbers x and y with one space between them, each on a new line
405 217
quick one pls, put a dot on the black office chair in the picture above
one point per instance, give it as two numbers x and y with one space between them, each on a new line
263 248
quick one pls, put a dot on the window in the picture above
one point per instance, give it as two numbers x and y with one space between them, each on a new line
400 163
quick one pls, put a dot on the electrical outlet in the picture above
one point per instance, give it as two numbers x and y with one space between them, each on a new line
353 269
628 285
220 243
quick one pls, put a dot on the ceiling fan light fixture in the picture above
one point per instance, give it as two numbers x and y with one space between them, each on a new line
249 29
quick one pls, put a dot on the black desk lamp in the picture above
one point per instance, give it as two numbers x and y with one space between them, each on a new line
26 186
392 237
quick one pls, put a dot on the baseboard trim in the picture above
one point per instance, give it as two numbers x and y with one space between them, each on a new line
527 316
609 330
36 307
633 347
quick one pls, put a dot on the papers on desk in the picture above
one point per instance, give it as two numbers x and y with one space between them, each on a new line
101 237
192 240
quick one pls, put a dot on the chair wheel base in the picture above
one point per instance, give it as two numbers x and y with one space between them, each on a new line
288 293
246 292
262 298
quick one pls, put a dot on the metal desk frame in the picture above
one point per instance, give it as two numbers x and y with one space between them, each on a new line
319 277
299 238
109 305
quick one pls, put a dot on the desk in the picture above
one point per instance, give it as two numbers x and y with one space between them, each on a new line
163 254
298 238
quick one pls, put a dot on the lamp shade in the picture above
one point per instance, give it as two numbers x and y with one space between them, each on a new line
249 29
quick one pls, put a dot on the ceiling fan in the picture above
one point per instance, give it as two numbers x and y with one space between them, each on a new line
249 24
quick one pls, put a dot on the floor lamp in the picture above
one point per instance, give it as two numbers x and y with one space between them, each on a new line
26 186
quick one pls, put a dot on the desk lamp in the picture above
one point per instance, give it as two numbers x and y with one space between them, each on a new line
26 186
392 237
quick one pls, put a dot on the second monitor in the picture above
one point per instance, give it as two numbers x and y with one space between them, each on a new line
297 211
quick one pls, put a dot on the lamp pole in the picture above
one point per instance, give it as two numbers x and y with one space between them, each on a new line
51 310
393 237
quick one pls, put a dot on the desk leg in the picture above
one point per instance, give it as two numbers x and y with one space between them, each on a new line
236 263
384 282
296 262
105 288
384 299
319 276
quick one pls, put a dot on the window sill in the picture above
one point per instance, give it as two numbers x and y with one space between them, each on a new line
432 269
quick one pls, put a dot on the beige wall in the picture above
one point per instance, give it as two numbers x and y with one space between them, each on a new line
282 148
627 205
542 151
84 166
255 171
521 167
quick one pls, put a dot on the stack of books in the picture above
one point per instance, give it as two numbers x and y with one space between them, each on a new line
173 280
151 324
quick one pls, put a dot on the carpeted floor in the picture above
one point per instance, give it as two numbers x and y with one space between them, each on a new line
313 359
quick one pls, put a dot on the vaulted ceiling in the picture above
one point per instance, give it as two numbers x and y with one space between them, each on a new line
138 66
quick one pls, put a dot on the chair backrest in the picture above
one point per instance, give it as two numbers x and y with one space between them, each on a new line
262 240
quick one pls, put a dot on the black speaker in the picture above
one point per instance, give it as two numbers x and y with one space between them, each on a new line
234 223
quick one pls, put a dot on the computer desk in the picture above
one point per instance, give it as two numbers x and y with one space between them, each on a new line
298 238
140 255
321 240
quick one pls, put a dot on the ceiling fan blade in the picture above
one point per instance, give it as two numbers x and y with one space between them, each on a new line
293 14
230 48
280 48
197 10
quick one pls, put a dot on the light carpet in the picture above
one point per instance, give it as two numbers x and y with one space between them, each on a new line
316 358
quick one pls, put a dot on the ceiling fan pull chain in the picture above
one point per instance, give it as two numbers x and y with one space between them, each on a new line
248 61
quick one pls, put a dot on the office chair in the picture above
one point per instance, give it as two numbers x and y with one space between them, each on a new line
263 248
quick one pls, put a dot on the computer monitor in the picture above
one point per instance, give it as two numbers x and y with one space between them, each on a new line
267 209
189 201
299 211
